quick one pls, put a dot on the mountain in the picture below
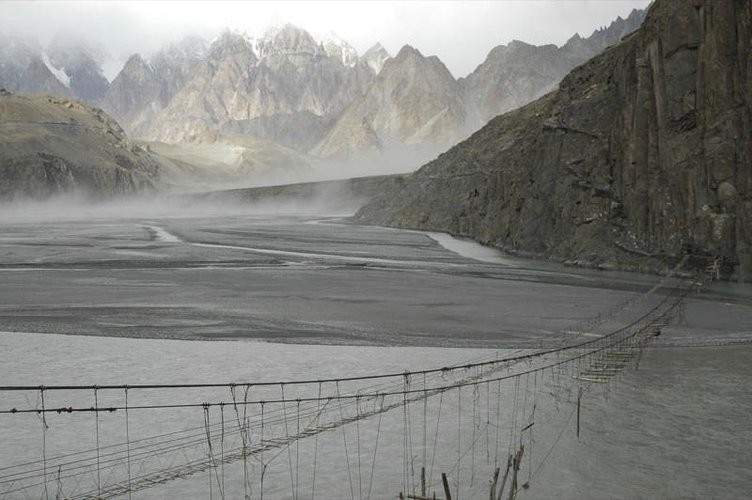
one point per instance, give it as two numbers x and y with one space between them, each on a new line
51 145
81 68
316 97
135 95
641 155
513 75
66 68
338 48
142 89
287 73
23 69
414 101
375 57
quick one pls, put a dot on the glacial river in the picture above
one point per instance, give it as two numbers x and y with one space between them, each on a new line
237 296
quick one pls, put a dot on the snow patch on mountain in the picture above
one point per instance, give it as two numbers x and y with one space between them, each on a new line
336 47
375 57
59 73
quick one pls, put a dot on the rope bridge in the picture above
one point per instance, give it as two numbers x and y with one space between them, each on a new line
484 428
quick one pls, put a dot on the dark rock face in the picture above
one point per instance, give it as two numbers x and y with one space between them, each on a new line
644 153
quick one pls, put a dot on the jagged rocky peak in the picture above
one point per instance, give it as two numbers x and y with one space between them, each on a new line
413 102
514 74
375 57
287 39
190 47
517 52
410 57
134 88
15 50
232 45
81 63
606 36
25 68
339 49
136 69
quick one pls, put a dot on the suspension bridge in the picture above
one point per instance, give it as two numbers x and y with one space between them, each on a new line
481 429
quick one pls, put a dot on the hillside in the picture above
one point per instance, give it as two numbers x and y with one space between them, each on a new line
50 145
644 153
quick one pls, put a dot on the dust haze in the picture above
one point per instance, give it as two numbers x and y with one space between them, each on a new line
328 199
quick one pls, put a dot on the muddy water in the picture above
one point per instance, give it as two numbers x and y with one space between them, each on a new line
365 299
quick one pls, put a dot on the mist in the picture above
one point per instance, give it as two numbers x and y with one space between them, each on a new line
330 199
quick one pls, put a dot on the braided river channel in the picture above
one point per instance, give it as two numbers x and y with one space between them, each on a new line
91 299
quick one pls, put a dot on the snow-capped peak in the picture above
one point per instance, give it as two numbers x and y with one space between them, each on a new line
338 48
285 39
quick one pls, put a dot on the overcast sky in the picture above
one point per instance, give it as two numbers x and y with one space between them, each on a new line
460 33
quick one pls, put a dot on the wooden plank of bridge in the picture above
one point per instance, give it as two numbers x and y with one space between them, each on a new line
423 481
445 482
516 467
493 484
506 475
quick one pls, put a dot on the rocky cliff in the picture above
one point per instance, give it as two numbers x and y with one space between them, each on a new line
643 154
51 145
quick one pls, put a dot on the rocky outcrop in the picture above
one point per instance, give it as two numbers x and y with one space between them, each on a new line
643 154
51 145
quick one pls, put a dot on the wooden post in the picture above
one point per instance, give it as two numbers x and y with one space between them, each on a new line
423 481
579 397
517 462
504 480
493 484
446 486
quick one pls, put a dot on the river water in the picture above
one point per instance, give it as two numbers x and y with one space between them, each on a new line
236 296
